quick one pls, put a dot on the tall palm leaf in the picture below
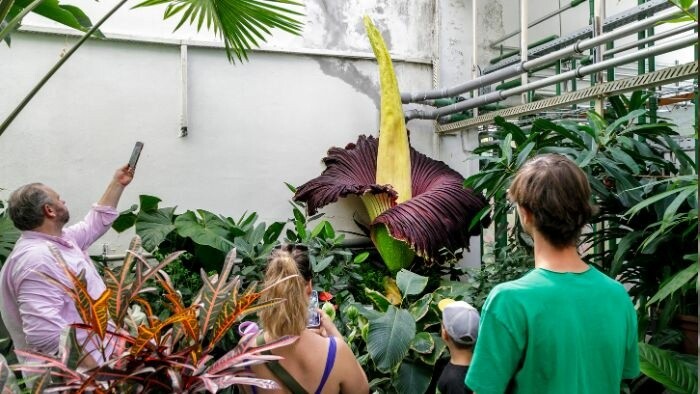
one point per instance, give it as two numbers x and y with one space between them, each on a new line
241 23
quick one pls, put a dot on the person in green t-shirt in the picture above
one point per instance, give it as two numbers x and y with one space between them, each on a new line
564 327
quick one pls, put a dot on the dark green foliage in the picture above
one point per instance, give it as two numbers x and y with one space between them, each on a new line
645 189
204 236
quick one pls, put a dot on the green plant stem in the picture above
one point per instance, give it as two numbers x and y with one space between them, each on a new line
17 19
59 63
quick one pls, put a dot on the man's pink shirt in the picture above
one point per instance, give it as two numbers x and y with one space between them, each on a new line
34 310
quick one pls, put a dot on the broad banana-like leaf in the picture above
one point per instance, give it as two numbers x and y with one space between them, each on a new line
389 337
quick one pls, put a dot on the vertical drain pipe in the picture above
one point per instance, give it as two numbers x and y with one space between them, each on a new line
436 68
598 17
641 65
653 104
523 45
475 63
183 90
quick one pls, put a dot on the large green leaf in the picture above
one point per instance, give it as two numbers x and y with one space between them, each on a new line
412 378
148 203
419 308
437 352
623 248
67 15
423 343
663 367
241 23
410 283
154 226
8 236
125 220
389 337
676 282
657 197
210 230
379 300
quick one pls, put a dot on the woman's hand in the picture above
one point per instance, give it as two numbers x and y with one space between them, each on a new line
327 328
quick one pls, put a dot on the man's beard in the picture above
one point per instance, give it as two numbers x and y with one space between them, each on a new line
63 216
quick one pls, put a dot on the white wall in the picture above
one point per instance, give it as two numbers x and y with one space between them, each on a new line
252 126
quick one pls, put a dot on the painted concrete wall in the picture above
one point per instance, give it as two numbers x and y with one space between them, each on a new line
252 127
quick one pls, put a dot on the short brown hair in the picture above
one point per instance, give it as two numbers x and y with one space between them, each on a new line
555 190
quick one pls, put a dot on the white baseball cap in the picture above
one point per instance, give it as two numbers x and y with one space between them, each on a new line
461 320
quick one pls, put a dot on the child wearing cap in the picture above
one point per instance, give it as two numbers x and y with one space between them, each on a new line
460 327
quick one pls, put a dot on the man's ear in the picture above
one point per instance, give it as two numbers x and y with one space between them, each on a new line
48 210
525 215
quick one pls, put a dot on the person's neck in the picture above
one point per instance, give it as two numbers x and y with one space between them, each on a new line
460 356
551 258
49 228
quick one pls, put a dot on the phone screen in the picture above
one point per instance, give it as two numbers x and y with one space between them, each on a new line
135 155
314 318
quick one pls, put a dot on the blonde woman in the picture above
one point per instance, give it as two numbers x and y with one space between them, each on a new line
319 361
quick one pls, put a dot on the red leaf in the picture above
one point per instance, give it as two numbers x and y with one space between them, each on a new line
325 296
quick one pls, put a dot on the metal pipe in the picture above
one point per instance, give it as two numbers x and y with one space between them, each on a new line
183 91
598 16
511 71
658 36
523 44
611 23
475 46
537 21
575 73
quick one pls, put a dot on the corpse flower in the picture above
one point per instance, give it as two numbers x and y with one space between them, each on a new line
416 205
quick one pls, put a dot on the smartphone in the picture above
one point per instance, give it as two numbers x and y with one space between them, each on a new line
314 318
135 155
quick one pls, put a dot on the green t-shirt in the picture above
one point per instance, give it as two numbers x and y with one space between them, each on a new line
550 332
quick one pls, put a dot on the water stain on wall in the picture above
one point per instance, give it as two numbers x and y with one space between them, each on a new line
346 71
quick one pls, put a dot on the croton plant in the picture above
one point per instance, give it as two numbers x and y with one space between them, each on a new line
416 205
145 352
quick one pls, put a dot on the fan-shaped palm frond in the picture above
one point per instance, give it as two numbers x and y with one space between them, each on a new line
243 24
